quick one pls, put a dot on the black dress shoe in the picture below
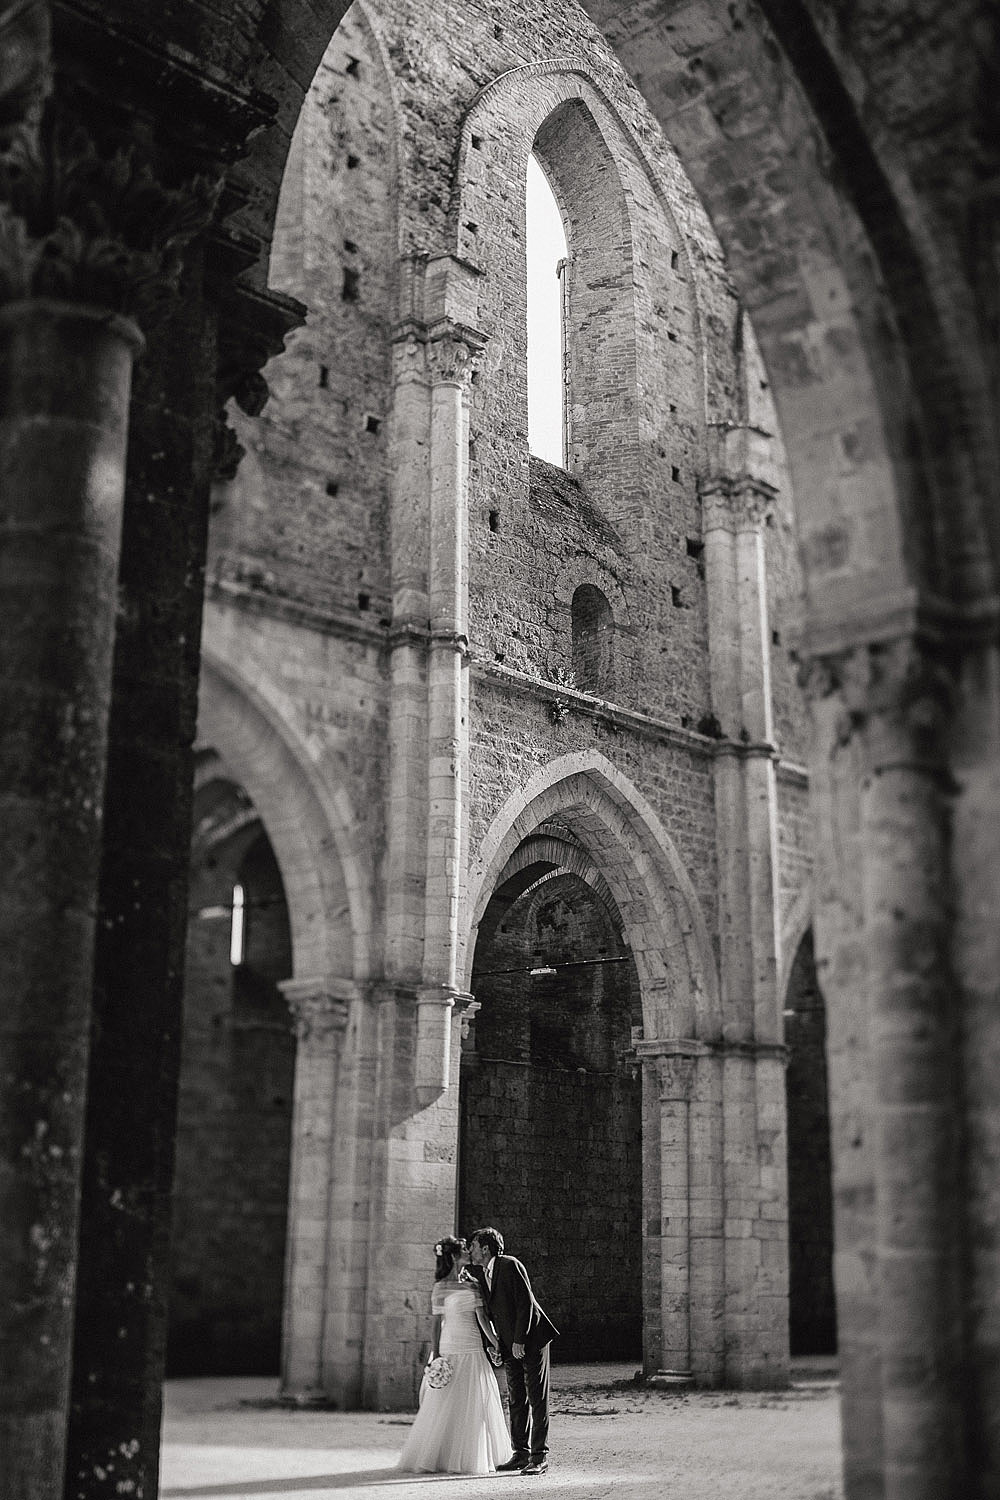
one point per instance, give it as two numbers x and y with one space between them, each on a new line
519 1461
536 1466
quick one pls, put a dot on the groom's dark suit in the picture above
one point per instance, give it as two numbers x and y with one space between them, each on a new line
518 1319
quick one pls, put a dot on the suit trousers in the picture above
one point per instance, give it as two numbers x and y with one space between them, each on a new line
528 1389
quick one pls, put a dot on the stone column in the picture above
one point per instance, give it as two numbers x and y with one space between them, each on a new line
450 352
319 1009
883 714
671 1065
65 375
736 499
121 1321
902 708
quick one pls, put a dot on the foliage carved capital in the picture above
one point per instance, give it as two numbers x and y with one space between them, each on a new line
81 224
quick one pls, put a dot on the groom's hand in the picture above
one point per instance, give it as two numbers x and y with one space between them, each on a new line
517 1350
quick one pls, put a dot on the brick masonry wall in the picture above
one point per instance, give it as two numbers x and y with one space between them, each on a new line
234 1125
514 735
550 1115
305 517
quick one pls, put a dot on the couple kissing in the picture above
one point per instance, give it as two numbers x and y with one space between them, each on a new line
482 1296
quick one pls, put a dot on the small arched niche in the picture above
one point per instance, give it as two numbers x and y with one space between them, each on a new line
593 627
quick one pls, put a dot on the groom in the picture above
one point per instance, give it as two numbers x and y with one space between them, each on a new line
525 1333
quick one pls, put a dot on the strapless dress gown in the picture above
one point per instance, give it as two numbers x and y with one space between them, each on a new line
460 1427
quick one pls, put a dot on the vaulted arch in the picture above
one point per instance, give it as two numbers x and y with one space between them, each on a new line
621 834
310 826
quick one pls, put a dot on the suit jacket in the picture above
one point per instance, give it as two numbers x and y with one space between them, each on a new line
517 1316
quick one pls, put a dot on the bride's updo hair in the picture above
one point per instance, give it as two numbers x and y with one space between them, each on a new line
445 1251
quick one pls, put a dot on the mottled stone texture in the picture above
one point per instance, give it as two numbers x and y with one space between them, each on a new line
64 391
121 1322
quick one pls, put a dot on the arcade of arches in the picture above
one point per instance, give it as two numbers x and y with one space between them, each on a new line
402 830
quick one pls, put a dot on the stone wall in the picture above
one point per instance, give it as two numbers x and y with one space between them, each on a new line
551 1141
234 1123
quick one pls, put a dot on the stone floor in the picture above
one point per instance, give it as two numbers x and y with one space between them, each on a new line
225 1439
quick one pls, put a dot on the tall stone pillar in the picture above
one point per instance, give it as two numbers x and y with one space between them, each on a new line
412 1174
450 352
121 1320
65 377
736 499
65 373
319 1008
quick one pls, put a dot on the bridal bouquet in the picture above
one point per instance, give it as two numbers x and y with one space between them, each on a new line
439 1372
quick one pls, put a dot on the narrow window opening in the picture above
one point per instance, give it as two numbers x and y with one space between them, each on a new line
675 474
332 487
674 260
593 628
238 927
494 520
675 597
349 291
324 377
775 637
547 252
364 600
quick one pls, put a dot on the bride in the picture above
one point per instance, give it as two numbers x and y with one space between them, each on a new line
460 1427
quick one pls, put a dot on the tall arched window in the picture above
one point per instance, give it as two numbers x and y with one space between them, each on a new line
593 639
546 250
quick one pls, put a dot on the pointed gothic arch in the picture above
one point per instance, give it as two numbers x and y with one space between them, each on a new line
622 834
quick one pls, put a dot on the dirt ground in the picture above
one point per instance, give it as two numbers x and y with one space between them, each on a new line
225 1439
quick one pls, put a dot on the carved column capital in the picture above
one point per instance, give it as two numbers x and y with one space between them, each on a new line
452 350
735 503
83 222
319 1008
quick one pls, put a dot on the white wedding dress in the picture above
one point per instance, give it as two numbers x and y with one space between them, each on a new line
460 1427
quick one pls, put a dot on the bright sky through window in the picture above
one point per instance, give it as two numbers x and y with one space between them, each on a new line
546 247
237 932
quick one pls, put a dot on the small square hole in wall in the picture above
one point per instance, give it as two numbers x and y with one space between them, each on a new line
672 408
695 546
372 424
350 292
671 336
364 600
471 227
353 69
353 162
332 487
477 143
775 637
675 597
498 33
350 247
494 520
675 474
